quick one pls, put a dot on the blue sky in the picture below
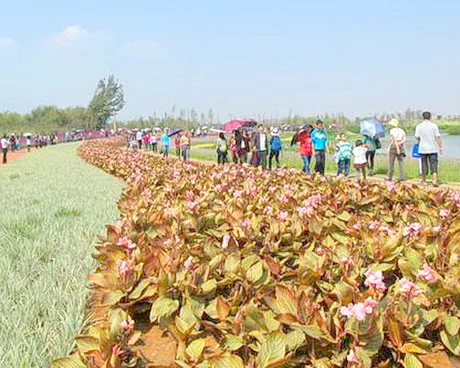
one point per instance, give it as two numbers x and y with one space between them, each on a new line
244 58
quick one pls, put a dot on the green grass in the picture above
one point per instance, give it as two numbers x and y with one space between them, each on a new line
449 170
53 206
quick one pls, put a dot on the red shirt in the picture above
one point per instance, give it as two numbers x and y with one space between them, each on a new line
305 148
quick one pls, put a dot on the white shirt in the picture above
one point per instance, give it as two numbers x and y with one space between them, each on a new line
5 143
398 135
138 136
263 141
28 141
359 155
427 132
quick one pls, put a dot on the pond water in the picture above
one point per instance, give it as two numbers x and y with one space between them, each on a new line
451 145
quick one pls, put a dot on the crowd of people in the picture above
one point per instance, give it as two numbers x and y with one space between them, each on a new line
262 148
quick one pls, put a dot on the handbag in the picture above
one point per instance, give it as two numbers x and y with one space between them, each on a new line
415 152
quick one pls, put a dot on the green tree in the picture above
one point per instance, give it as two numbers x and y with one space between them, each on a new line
107 101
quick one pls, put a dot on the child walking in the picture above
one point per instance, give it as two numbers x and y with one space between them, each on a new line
360 160
344 153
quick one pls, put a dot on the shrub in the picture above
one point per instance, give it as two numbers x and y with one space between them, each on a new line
250 269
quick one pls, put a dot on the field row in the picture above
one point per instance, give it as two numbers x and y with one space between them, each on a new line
247 269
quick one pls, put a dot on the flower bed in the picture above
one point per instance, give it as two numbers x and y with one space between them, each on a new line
250 269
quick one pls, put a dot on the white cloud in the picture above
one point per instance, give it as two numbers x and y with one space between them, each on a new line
144 47
69 36
6 43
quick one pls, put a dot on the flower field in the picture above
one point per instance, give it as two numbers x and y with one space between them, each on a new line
240 268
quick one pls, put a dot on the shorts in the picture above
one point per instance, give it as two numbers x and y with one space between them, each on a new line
429 160
360 166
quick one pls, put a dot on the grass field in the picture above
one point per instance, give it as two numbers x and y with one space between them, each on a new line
53 206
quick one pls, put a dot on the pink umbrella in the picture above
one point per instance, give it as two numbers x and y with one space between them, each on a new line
235 124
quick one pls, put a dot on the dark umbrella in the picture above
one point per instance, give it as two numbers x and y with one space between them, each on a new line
175 132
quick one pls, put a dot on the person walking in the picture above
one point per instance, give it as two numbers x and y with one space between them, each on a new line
165 142
305 147
139 138
243 142
360 160
374 145
177 144
319 140
344 154
429 139
275 149
185 146
4 143
146 141
261 147
28 143
222 149
154 142
234 146
396 149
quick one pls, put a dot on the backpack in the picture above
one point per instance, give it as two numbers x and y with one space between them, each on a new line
276 143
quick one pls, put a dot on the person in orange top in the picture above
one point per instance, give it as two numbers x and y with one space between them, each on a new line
177 144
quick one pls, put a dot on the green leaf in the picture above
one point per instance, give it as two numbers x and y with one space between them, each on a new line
312 331
272 350
286 302
233 342
231 264
209 286
255 272
451 342
139 289
452 325
344 216
429 316
411 361
195 349
163 307
227 361
294 339
68 362
86 344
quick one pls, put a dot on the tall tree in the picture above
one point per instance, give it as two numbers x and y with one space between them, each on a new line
107 101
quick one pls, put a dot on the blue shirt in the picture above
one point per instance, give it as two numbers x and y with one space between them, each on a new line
319 140
165 139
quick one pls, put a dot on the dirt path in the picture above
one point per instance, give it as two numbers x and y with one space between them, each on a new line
14 155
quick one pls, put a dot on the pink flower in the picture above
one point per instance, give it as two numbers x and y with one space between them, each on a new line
357 227
444 213
437 229
374 225
127 325
386 229
409 289
272 189
359 310
352 358
374 279
123 223
370 305
192 205
125 267
347 311
246 223
320 251
225 241
126 243
188 264
305 211
237 193
413 229
391 186
427 274
118 350
283 215
268 211
315 200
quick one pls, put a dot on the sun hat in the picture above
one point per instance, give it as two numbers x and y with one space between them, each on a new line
394 122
